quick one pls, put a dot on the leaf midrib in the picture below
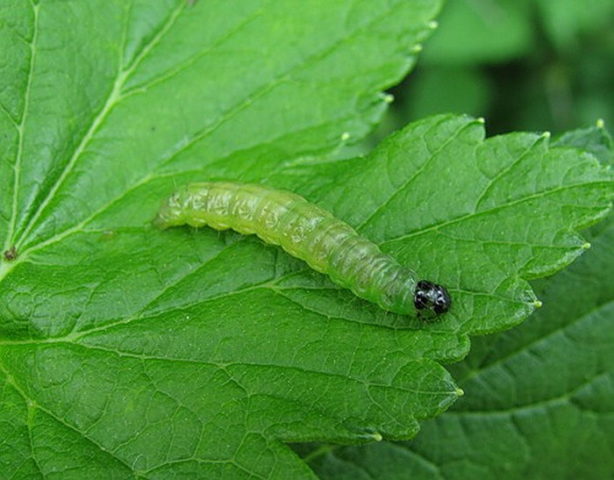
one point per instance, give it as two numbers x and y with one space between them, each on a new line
20 128
112 100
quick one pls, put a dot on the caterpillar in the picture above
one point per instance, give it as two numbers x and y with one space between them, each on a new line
308 232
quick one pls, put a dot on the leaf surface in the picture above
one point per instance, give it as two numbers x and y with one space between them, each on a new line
538 400
129 352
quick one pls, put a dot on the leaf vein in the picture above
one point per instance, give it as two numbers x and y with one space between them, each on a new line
21 127
519 201
418 171
97 121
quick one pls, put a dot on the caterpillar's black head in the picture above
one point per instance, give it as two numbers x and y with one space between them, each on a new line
432 297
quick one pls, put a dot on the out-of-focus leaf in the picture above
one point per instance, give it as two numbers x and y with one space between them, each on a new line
566 20
481 31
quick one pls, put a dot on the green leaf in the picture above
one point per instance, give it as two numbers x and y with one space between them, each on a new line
490 31
448 89
595 140
438 187
480 31
566 20
190 86
130 352
539 398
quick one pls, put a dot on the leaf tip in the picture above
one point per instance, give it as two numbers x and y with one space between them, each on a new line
480 120
600 123
345 136
537 303
459 392
586 245
388 98
417 48
546 134
433 24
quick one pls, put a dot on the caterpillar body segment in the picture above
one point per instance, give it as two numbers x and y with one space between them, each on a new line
310 233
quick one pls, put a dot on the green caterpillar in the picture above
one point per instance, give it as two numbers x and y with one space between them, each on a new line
310 233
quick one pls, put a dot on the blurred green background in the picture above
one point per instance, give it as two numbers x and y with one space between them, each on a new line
531 65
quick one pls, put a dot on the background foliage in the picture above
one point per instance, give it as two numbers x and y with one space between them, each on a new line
522 64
